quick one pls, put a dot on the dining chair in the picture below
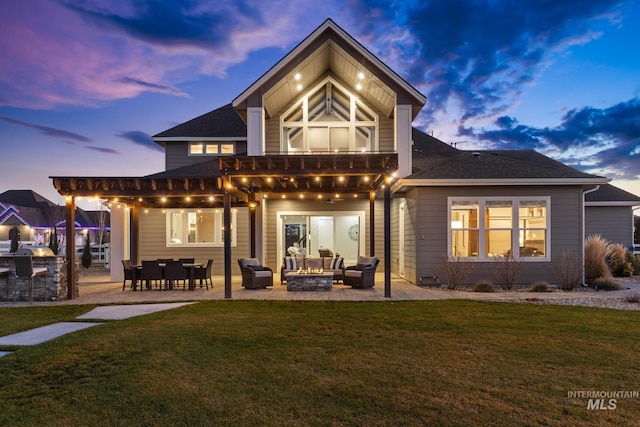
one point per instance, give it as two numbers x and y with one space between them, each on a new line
187 260
174 271
151 271
25 270
128 273
205 273
164 260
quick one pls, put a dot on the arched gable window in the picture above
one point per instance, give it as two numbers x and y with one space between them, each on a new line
329 119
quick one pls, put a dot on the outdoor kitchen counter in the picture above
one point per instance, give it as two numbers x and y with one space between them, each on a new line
56 279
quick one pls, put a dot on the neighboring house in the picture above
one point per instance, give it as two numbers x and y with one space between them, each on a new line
35 216
320 152
609 212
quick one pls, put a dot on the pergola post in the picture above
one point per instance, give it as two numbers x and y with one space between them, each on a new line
387 241
227 244
252 224
372 223
134 234
70 222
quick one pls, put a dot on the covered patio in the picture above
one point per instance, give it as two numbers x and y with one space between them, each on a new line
240 182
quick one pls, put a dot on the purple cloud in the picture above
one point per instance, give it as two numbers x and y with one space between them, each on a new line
140 138
49 131
105 150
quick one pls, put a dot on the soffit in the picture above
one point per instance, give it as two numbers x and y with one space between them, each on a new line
329 59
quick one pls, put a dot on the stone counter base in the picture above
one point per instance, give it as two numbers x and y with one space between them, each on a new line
56 280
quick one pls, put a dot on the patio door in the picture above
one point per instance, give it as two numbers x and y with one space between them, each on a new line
305 233
401 214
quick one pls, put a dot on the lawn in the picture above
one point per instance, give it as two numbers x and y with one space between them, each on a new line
317 363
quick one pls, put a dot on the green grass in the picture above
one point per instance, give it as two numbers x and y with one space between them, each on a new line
317 363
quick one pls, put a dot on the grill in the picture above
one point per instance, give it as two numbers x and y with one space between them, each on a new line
35 251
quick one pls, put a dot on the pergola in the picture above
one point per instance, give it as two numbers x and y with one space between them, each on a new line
234 181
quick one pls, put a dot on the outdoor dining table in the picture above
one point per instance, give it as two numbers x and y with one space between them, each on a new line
191 267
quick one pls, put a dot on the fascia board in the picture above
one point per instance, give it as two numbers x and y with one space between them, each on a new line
613 204
402 183
198 139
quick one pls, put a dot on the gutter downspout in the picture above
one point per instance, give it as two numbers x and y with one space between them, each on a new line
584 226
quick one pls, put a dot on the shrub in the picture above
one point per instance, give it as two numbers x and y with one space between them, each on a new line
540 287
86 253
596 251
14 236
506 269
635 261
606 284
633 298
454 271
567 269
483 286
621 261
54 243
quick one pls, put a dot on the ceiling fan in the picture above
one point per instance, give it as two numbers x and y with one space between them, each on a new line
332 201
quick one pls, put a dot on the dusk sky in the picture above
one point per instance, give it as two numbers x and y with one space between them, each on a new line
85 83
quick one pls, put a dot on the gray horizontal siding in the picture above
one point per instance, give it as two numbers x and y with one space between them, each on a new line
431 231
614 223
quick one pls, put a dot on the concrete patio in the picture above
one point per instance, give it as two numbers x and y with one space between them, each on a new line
98 289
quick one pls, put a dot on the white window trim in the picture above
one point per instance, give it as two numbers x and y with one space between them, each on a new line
352 124
218 240
205 143
515 226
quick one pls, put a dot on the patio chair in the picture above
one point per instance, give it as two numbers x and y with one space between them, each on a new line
174 271
25 270
151 271
363 274
205 273
129 274
5 272
254 275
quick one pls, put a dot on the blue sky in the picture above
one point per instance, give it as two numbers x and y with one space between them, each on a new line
85 83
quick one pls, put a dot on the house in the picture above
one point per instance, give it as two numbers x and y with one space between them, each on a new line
35 217
319 154
609 212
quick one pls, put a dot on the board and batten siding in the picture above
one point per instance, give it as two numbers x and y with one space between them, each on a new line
614 223
431 206
153 243
385 134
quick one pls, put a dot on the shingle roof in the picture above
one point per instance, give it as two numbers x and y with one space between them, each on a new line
610 193
223 122
505 165
426 147
26 198
208 169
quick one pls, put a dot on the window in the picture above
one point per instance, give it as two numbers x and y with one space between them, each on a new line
202 227
489 227
329 119
211 148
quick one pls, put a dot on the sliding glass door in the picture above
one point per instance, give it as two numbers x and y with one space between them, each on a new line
312 234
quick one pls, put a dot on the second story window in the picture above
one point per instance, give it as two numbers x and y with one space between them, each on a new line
211 148
329 119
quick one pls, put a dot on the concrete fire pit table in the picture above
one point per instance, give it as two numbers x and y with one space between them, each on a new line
309 281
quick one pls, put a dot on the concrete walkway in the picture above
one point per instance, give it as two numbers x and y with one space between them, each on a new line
111 312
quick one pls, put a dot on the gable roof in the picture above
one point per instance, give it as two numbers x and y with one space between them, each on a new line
503 167
610 195
366 63
26 198
223 123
